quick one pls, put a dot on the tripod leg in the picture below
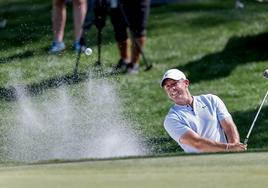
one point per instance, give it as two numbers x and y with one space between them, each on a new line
98 63
75 73
82 43
88 22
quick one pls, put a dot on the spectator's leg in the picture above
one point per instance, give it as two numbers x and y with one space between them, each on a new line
79 10
122 40
136 53
58 19
124 50
138 12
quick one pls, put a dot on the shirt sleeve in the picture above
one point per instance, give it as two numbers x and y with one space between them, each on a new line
221 109
175 127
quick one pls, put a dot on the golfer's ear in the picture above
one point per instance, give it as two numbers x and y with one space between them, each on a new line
187 82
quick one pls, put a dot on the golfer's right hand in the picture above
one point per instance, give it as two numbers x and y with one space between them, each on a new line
236 147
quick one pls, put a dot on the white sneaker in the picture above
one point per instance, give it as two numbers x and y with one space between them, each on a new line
133 69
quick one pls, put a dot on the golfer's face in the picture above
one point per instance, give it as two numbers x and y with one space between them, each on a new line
177 90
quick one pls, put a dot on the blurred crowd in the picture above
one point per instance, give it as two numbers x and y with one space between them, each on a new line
129 20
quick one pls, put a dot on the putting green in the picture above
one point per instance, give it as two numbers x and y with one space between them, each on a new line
214 170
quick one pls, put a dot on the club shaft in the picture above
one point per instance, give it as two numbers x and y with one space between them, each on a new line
256 116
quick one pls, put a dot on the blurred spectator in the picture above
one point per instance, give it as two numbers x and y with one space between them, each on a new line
59 20
133 14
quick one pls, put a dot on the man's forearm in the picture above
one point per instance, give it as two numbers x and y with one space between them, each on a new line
211 146
202 144
230 130
205 145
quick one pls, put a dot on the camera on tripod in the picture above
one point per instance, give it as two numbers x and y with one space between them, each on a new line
97 11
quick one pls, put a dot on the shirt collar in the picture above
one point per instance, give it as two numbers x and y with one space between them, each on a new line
188 107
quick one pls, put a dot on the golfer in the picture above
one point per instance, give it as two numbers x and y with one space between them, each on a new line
198 123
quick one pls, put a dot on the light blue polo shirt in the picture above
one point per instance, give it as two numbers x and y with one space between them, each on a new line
204 119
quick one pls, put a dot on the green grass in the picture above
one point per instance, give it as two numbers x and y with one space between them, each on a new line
222 170
221 49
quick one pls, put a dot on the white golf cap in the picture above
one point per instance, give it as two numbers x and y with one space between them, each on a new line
173 74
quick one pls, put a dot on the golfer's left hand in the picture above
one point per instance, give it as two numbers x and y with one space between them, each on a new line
237 147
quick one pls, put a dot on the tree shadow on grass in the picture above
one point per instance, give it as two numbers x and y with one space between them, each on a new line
238 50
11 93
23 55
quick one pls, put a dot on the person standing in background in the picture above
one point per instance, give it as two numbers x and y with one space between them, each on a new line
132 15
59 14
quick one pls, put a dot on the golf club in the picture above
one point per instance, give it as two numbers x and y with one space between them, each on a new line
253 123
100 11
89 19
83 49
